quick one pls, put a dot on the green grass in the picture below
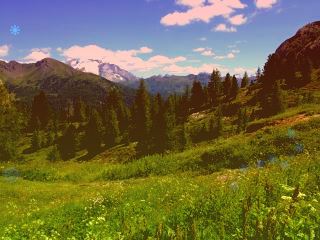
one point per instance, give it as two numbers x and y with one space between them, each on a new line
199 193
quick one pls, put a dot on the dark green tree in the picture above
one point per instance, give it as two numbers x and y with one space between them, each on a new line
278 104
181 137
10 126
40 110
215 128
227 85
141 119
116 101
214 88
112 134
234 88
197 96
242 121
245 80
67 144
92 138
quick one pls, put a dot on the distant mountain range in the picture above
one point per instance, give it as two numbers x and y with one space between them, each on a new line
296 61
58 80
165 85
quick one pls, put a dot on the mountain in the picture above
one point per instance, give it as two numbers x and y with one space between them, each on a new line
109 71
169 84
297 59
58 80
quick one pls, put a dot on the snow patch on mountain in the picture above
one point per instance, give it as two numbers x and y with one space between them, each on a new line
109 71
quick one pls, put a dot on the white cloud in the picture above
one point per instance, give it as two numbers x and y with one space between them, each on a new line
175 69
241 70
238 19
4 50
199 49
204 13
37 54
190 3
126 59
228 56
203 39
224 28
204 51
265 3
208 53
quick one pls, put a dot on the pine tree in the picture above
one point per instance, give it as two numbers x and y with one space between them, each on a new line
92 139
158 124
245 80
234 88
258 75
215 128
197 96
141 119
184 106
40 110
278 105
10 125
181 138
242 121
214 88
67 144
112 135
115 101
227 86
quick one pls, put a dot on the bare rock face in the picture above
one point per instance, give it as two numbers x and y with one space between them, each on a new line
296 58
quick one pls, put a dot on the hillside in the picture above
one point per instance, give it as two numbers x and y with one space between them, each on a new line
206 165
297 59
58 80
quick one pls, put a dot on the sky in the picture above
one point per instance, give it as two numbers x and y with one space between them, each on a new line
152 37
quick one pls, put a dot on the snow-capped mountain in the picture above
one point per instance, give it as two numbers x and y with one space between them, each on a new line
115 73
109 71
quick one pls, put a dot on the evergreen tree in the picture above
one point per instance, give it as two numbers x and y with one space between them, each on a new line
227 86
181 138
10 125
215 125
184 106
242 121
245 80
197 95
67 144
116 102
258 75
112 135
92 138
40 110
234 88
214 88
141 118
278 105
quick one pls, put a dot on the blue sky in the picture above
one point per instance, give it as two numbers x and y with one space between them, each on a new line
150 37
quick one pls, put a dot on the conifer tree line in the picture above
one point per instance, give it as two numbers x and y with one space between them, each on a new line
155 124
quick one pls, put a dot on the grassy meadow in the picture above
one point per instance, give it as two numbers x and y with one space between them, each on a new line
263 184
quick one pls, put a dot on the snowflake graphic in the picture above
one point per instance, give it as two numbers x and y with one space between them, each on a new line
15 30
